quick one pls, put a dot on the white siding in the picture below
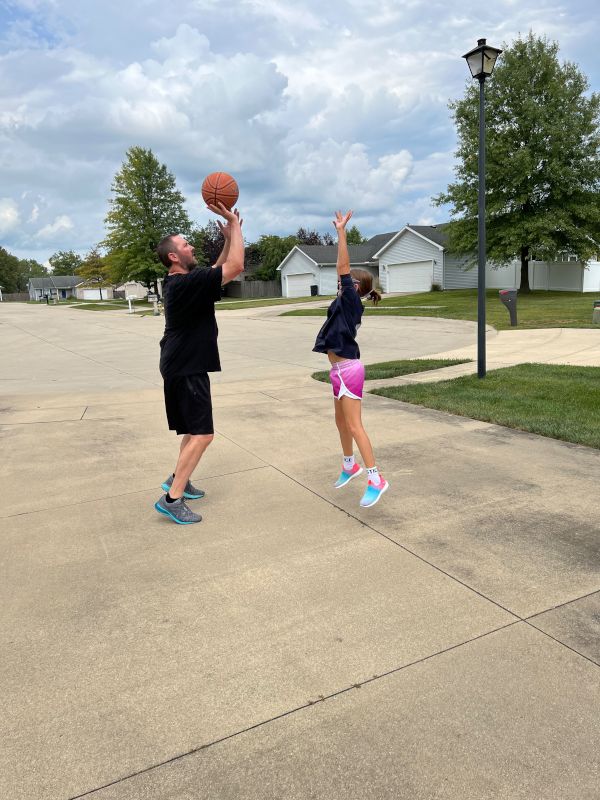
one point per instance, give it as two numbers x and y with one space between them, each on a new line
298 264
328 280
410 248
456 276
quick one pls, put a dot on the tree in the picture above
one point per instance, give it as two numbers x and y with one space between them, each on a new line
9 271
95 270
273 249
29 268
65 262
208 243
328 238
542 170
305 236
252 258
354 236
146 206
15 273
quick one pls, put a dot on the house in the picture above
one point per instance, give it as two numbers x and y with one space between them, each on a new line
310 269
415 258
59 287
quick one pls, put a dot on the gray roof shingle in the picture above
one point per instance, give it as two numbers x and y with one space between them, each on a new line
436 233
362 253
56 282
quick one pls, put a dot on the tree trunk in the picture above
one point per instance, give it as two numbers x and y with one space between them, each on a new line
525 270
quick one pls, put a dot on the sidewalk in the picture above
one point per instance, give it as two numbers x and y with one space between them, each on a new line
575 346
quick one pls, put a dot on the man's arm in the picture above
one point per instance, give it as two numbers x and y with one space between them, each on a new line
343 259
231 258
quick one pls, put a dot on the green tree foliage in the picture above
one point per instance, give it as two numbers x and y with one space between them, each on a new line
542 169
273 249
208 243
252 258
146 206
9 271
65 262
305 236
95 270
15 273
354 236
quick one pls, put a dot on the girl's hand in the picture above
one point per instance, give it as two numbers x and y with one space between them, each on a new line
341 220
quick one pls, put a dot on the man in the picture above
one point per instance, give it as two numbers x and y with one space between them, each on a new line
189 352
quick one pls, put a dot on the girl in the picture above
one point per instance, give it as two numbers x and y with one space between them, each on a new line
337 338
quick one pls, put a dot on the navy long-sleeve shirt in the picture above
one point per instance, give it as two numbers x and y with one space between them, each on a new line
343 320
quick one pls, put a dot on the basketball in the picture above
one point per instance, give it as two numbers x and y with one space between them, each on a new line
219 187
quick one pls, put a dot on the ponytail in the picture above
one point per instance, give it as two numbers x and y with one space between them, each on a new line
374 296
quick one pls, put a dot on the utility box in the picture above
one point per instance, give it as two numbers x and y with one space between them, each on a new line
596 314
509 299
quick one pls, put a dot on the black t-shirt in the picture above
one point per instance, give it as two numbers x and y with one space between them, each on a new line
189 344
343 320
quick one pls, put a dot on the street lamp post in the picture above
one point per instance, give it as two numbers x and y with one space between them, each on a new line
481 62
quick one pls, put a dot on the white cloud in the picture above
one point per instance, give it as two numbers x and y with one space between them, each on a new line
9 215
62 224
310 105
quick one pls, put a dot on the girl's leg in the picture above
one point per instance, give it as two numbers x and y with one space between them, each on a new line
343 430
351 411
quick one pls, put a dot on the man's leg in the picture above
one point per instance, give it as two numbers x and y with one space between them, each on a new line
190 452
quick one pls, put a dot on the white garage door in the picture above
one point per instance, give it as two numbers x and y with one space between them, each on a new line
299 285
93 294
412 276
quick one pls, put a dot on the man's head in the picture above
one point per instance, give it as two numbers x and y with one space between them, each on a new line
176 253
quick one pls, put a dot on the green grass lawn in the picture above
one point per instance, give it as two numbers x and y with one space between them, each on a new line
391 369
534 310
558 401
225 304
221 305
112 305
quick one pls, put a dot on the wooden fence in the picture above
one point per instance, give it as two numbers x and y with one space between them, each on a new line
15 297
252 289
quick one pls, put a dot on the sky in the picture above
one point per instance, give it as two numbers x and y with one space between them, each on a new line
312 106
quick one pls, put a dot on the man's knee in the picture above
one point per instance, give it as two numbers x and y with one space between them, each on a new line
201 441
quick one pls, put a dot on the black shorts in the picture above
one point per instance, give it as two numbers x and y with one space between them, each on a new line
189 405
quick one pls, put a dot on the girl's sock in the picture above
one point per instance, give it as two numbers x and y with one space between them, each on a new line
373 475
349 463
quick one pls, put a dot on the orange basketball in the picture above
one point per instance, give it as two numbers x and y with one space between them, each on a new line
219 187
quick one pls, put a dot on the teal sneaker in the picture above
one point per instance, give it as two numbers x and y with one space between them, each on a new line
178 511
373 493
190 492
346 477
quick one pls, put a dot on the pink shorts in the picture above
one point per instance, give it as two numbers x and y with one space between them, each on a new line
347 378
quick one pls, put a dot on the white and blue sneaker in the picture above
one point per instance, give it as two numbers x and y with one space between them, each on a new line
373 493
346 477
190 492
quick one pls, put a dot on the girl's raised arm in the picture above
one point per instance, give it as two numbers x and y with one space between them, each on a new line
343 259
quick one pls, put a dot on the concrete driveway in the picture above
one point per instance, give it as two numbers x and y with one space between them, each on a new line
443 644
